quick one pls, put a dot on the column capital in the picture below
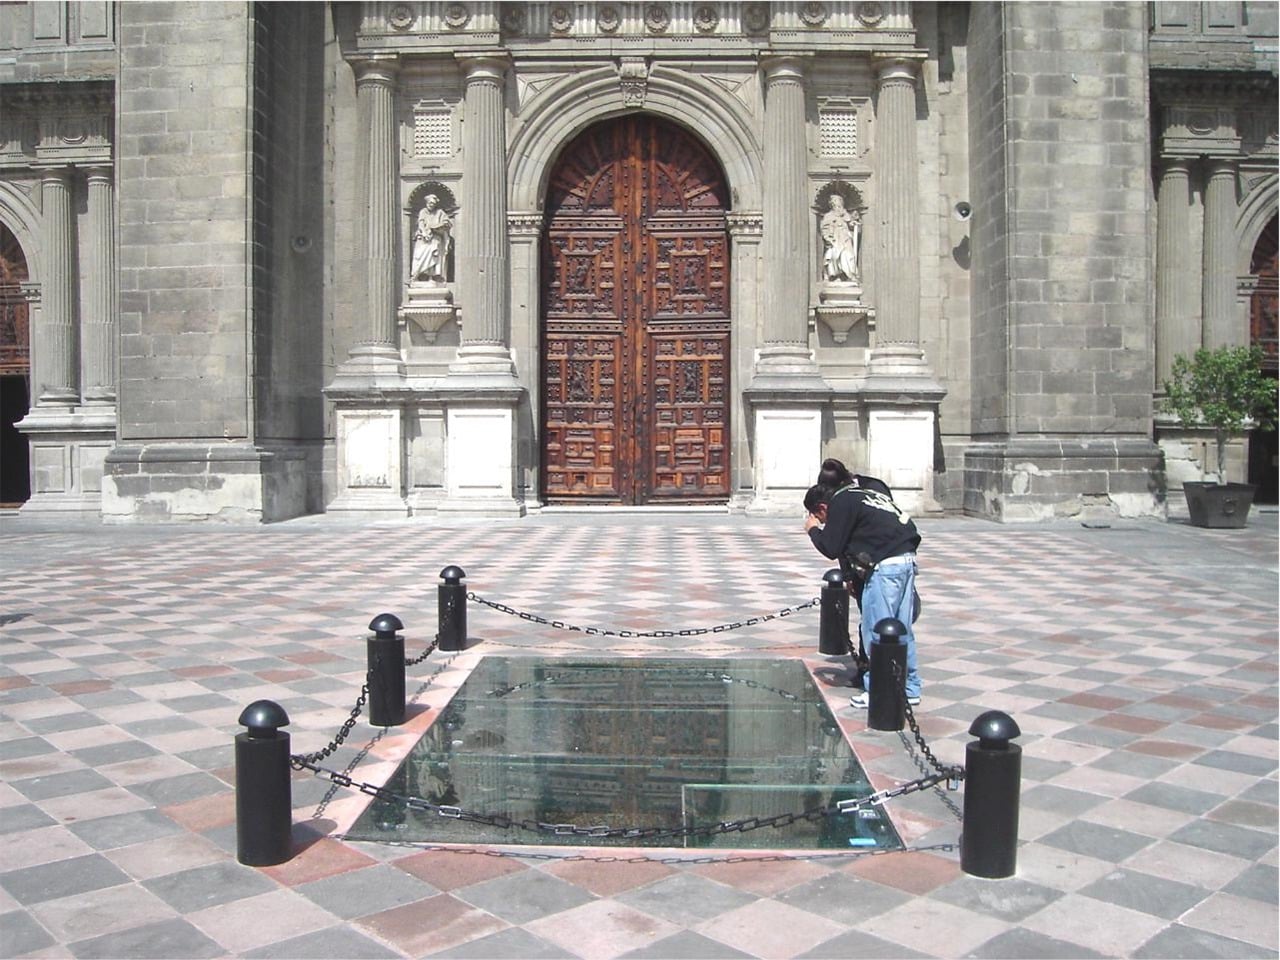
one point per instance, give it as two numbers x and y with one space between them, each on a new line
376 69
1220 166
746 225
524 226
99 173
1175 164
783 68
898 67
481 67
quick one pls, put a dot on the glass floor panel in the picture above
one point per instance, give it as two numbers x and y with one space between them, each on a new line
666 743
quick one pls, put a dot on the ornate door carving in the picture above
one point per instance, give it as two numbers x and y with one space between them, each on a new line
635 319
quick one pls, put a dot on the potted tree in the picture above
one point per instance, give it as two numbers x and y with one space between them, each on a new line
1223 390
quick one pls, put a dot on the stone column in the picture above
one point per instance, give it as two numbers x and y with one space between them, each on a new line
1175 326
1219 295
98 345
483 291
59 370
377 347
896 247
785 254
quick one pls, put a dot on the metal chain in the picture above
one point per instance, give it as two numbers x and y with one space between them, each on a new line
952 773
603 632
431 647
604 832
300 760
672 861
952 784
709 674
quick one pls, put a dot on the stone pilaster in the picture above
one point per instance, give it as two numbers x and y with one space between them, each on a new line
483 281
98 344
1219 294
377 351
1175 329
895 240
786 245
59 381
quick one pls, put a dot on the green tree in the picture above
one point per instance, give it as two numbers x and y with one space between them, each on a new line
1224 390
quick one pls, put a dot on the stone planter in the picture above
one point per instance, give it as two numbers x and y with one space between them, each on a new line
1219 504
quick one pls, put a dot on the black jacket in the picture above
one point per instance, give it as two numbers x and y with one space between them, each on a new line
864 521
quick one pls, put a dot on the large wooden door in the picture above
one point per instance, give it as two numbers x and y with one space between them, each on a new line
635 319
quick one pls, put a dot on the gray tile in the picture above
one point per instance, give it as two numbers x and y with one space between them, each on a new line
1036 768
159 726
210 758
1170 796
1010 899
179 789
359 893
335 943
167 939
62 878
521 897
843 897
63 722
113 753
204 701
1095 840
511 944
1097 735
1134 764
62 784
107 698
24 816
1225 838
1055 799
1157 896
19 934
1019 944
855 943
1259 882
124 829
687 945
686 899
1237 762
190 890
1264 791
26 747
1177 942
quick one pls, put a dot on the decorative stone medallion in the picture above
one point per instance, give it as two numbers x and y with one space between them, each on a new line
755 18
705 19
870 14
456 16
561 19
400 17
608 20
657 17
814 14
513 19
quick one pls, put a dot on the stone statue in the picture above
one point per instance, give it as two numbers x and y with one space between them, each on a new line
431 242
842 233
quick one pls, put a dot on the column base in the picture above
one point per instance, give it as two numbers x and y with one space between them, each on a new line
370 460
370 367
481 457
68 446
485 362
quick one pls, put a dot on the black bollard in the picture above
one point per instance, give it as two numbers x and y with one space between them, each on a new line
992 777
264 794
833 618
887 699
453 609
386 671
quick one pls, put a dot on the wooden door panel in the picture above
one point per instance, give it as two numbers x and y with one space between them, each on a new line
635 318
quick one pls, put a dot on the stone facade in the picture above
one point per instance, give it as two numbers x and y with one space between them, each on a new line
226 323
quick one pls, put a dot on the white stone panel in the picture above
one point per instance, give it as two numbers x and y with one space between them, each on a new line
900 452
788 452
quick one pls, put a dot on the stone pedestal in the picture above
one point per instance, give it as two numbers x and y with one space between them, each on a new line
840 308
429 306
788 452
900 442
370 449
480 448
68 448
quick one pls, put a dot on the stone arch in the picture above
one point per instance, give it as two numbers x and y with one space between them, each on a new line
570 105
1260 205
21 216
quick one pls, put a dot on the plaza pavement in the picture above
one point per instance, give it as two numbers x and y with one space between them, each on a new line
1139 660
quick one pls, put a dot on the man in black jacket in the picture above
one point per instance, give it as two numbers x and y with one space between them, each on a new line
867 529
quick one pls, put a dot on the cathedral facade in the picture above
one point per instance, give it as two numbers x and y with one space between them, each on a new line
389 259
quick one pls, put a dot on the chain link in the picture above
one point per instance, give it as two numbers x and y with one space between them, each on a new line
950 773
299 761
431 647
604 632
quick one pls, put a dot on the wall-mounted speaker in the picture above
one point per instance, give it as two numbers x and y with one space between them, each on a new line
962 211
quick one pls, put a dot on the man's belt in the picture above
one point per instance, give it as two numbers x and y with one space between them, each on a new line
900 558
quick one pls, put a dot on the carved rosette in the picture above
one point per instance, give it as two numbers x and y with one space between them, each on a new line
755 17
400 17
657 17
814 14
561 19
705 19
608 20
456 16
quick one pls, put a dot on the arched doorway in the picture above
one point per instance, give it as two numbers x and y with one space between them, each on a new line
15 372
635 319
1263 446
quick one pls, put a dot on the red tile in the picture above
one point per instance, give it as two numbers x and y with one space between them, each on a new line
916 873
449 870
431 925
12 683
316 858
1094 700
79 687
1218 721
1165 748
763 877
1132 724
608 879
205 813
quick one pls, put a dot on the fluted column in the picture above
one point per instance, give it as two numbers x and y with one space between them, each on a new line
98 321
483 282
375 93
58 368
1219 294
785 250
896 214
1175 327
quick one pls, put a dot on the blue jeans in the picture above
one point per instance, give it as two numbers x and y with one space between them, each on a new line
888 593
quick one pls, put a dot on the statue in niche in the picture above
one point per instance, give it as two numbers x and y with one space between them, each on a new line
432 239
842 233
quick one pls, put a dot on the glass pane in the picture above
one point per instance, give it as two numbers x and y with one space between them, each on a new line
633 744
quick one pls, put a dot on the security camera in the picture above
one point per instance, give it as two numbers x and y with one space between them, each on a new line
962 211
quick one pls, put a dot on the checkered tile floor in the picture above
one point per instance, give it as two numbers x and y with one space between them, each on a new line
1140 663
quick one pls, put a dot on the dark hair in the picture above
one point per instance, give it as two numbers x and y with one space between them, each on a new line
834 474
816 496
